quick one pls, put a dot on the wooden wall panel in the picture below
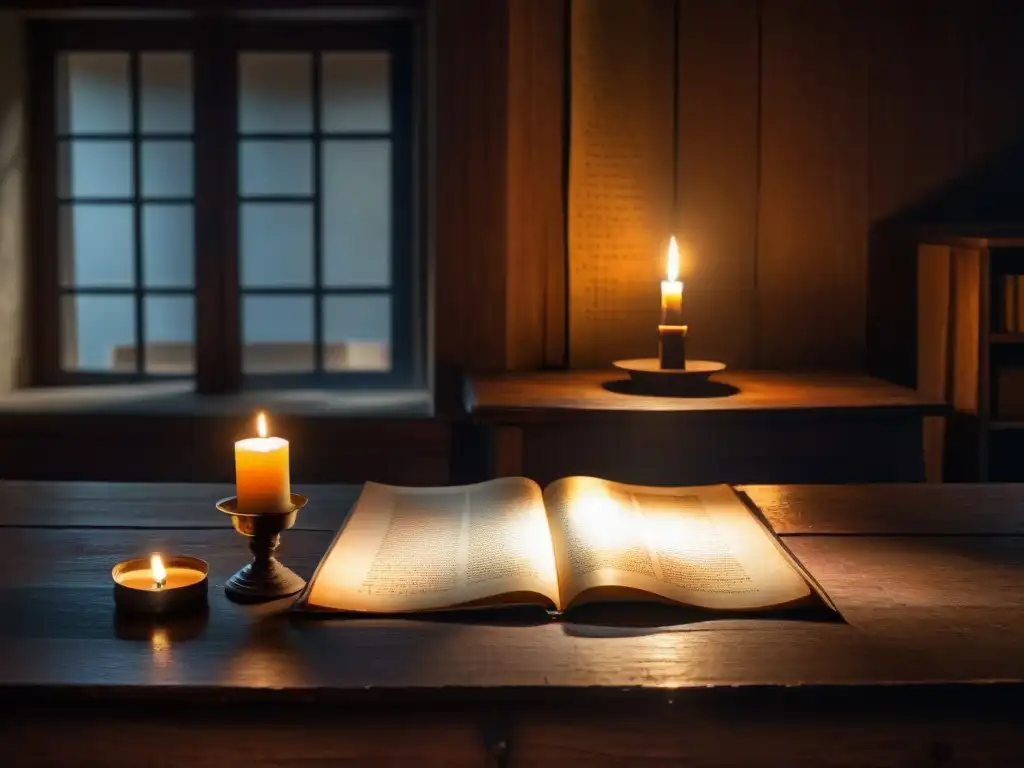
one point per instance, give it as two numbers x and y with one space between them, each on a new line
717 173
498 199
917 141
470 122
808 134
722 326
995 83
620 175
812 254
535 294
13 208
916 115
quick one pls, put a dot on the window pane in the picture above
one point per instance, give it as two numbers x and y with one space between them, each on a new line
93 94
356 92
98 333
170 334
276 244
274 93
357 213
276 167
167 169
168 245
97 245
95 169
277 333
357 332
166 92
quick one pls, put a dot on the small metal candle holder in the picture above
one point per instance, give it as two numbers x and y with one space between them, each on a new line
648 377
672 347
265 578
137 601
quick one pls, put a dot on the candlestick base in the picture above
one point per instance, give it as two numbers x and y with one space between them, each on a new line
649 378
265 578
251 584
672 347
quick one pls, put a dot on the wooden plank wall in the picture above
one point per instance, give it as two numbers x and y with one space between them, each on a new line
812 233
535 266
718 174
809 132
499 275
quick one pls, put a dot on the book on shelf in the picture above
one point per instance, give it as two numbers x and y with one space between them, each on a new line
580 540
1013 303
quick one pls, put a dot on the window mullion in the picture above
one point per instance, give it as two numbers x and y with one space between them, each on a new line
318 274
46 307
227 122
140 318
218 364
218 354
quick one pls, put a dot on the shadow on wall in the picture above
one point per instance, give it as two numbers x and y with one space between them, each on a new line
986 200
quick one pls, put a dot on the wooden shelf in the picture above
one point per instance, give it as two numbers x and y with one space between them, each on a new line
1007 338
961 300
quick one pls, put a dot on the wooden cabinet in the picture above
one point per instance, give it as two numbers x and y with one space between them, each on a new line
970 352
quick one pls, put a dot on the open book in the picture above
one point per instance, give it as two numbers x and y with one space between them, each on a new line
580 540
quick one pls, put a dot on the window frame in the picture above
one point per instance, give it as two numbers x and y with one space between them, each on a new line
214 44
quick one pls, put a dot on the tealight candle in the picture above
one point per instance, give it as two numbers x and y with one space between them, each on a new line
153 586
262 478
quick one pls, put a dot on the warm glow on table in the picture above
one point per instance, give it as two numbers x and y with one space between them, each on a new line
262 476
672 289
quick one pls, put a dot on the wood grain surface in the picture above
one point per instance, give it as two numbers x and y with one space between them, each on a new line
941 606
891 509
941 610
574 394
924 670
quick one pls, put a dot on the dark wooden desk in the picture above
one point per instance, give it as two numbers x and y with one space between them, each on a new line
749 427
927 670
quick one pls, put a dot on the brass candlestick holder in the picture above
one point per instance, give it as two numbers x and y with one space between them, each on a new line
265 578
649 377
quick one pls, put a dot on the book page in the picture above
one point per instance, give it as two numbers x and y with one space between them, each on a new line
418 549
698 546
620 176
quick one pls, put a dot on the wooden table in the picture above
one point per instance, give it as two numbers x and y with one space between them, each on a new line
928 668
747 427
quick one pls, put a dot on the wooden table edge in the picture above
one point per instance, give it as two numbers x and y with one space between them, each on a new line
965 695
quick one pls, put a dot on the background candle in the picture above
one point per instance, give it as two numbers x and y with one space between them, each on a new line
262 476
672 289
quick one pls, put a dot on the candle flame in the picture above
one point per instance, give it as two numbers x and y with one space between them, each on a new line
261 424
673 260
159 572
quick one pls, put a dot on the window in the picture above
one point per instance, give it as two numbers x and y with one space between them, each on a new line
233 201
